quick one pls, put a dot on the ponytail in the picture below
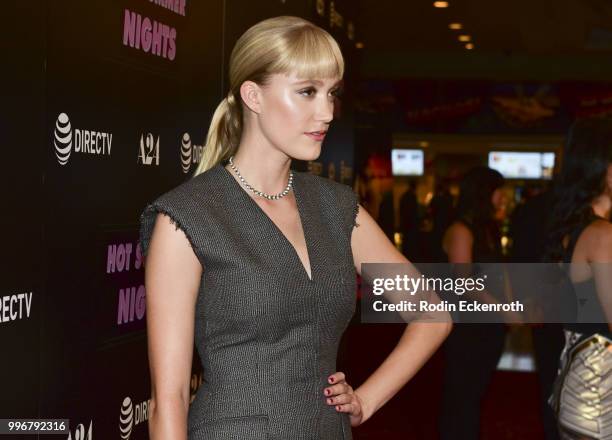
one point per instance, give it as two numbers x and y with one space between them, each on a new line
223 134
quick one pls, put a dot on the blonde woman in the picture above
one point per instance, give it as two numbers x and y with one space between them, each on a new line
257 262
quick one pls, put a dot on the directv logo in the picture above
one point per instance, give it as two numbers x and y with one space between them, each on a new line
84 141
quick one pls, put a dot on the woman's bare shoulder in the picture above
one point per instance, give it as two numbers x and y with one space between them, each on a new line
598 236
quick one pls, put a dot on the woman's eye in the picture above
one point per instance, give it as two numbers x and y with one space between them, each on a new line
310 92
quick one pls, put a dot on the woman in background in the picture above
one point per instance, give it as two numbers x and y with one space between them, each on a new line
472 350
581 234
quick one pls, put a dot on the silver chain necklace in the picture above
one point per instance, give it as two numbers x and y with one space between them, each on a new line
283 193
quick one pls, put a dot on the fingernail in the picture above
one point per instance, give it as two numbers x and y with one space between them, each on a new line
327 391
331 380
330 400
338 407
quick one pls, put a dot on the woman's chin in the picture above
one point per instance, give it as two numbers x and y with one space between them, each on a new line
308 154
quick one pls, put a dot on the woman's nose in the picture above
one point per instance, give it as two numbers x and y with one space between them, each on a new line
325 111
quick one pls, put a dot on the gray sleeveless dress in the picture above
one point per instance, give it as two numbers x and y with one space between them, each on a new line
266 333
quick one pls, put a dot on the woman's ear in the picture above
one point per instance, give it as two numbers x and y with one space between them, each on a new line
250 92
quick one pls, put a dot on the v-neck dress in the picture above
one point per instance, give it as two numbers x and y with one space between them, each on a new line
267 334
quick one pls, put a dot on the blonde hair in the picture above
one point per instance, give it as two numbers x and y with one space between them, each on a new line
282 45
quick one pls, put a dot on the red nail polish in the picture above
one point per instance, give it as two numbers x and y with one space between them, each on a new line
338 407
327 392
331 380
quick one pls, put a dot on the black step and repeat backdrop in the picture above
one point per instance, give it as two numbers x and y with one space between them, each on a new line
22 135
106 106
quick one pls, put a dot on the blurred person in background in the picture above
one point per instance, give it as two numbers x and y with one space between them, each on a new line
409 223
440 211
528 232
386 215
581 234
472 351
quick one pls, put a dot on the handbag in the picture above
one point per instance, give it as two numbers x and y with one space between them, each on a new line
582 392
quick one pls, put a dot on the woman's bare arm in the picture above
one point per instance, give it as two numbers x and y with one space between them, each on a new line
600 258
458 243
419 340
172 278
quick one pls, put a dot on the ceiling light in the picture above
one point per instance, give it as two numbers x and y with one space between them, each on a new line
455 26
465 38
439 4
359 45
469 46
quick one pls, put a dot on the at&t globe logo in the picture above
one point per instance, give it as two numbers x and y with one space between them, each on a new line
190 153
131 416
63 138
126 418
